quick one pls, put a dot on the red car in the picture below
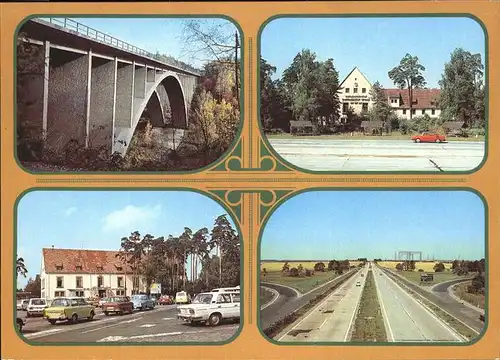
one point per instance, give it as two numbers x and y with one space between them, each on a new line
165 300
429 137
118 305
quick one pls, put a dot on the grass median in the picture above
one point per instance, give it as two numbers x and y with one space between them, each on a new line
265 296
369 324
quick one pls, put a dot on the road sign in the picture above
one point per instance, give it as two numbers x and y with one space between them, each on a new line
155 289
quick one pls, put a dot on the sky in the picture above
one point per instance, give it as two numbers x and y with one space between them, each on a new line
154 34
374 45
99 219
322 225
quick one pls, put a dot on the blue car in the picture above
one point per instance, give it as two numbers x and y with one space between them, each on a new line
142 302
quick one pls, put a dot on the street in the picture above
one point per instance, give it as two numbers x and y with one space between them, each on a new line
157 325
379 155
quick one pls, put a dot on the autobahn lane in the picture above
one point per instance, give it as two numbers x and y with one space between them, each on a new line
158 325
290 300
405 318
332 319
464 313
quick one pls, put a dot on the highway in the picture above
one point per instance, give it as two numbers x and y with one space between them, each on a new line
379 155
157 325
331 319
405 318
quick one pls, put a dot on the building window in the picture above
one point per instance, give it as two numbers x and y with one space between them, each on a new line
433 112
58 293
60 282
345 107
136 282
120 281
347 90
100 268
365 107
100 281
120 292
79 293
363 90
355 90
423 111
79 282
413 111
59 267
404 111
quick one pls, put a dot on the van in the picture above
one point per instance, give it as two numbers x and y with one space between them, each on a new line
35 307
181 297
211 307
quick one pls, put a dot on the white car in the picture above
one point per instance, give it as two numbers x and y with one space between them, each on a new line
212 307
19 305
358 283
35 307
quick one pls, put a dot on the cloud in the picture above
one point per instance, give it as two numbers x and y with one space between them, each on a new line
70 211
131 217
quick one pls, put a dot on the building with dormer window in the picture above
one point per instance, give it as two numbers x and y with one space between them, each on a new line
355 94
87 273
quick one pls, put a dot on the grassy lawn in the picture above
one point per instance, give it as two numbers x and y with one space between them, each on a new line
303 283
360 136
414 276
369 324
474 299
265 296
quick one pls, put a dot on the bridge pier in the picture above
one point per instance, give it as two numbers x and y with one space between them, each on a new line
94 94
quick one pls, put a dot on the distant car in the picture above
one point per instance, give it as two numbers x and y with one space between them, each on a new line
68 309
429 137
19 305
93 301
24 304
35 307
358 283
102 301
155 299
118 305
165 300
20 323
181 298
142 302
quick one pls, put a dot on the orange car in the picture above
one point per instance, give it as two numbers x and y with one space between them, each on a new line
429 137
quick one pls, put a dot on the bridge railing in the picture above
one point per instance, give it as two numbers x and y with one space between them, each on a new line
82 29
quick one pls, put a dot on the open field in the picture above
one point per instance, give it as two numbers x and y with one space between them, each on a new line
361 136
439 277
302 283
427 266
475 299
278 265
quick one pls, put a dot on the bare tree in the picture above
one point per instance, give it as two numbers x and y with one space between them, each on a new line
206 40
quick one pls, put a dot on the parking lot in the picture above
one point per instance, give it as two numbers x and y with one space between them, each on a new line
157 325
379 155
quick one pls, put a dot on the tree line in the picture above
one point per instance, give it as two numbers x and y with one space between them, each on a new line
214 259
308 90
337 266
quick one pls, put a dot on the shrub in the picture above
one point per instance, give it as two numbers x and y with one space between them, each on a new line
294 272
319 266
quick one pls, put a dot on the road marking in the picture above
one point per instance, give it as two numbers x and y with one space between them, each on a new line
129 321
108 326
112 338
355 312
285 286
328 282
383 310
41 333
168 318
147 325
276 295
319 305
439 321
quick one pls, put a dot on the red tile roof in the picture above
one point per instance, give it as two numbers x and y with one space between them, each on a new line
91 261
424 97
